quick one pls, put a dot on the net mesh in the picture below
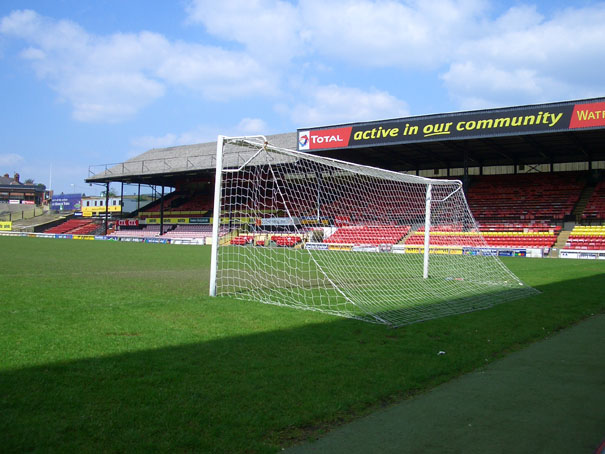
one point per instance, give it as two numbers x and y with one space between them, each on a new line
318 234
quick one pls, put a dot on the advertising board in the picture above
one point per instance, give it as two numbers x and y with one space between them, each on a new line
317 246
553 117
127 222
66 202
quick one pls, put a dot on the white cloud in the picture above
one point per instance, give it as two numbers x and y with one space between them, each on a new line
490 59
216 73
149 142
380 33
111 78
10 159
267 29
335 104
108 97
518 56
200 134
389 33
251 126
527 58
104 78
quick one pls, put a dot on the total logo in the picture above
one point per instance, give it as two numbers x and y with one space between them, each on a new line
324 138
303 140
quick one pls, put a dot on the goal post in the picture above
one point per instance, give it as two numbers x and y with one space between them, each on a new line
427 229
315 233
216 218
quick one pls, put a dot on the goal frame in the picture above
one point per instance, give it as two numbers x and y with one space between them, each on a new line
413 291
217 202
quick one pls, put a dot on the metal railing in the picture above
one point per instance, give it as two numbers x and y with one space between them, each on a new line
147 166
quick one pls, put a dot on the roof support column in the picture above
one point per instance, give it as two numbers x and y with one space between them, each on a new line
465 181
122 201
162 212
106 206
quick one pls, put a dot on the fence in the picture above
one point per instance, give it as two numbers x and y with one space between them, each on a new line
21 214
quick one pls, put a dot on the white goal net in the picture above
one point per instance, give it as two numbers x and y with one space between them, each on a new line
313 233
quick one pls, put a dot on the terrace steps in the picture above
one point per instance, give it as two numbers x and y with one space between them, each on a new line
562 238
585 196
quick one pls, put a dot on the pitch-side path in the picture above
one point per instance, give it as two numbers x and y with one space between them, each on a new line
548 398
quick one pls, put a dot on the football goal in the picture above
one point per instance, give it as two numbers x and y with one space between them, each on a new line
314 233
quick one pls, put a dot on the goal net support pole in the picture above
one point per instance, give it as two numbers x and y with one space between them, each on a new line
216 216
427 230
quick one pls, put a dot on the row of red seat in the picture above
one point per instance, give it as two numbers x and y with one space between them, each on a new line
525 197
518 227
374 235
280 240
242 240
287 240
477 241
74 227
596 246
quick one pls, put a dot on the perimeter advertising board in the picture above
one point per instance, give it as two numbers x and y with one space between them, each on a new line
463 125
128 222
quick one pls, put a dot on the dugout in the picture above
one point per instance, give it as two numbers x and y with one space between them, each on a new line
563 136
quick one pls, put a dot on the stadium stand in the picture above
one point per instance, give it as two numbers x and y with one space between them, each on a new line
242 240
513 211
538 236
264 239
535 234
595 208
74 227
146 231
519 227
170 201
190 231
524 197
179 204
372 235
586 238
286 240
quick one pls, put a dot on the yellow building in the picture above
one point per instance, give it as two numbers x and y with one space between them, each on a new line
95 206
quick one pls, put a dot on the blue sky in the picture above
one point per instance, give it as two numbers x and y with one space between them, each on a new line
95 82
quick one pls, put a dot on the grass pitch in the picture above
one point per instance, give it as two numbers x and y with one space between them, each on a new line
375 287
115 347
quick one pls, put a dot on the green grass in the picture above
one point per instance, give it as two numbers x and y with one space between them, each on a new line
386 288
115 347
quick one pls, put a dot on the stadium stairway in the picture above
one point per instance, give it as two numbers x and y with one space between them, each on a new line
561 239
410 233
583 201
226 239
